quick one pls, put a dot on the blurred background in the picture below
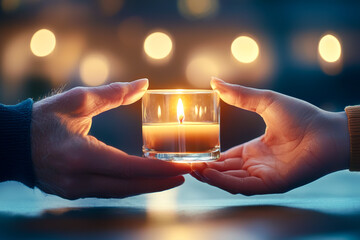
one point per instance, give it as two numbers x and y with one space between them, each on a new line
306 49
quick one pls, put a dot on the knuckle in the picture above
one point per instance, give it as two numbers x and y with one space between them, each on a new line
120 91
78 96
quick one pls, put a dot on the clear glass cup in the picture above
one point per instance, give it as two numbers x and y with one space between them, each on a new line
181 125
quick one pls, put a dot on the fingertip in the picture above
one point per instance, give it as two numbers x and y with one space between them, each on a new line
183 168
141 84
198 166
214 83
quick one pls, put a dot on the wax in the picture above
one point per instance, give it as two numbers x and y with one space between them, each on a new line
189 137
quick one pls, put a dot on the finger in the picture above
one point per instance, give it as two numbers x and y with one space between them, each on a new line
90 101
107 187
255 100
198 166
228 164
247 186
106 160
233 152
197 176
237 173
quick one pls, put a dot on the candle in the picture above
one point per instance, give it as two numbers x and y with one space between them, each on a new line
181 125
187 137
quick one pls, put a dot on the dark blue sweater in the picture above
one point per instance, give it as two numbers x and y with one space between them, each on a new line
15 143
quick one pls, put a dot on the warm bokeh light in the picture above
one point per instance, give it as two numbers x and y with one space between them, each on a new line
111 7
42 43
158 45
245 49
200 69
62 63
9 5
329 48
94 69
198 9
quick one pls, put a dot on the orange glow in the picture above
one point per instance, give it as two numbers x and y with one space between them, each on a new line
94 70
43 43
158 45
180 111
329 48
245 49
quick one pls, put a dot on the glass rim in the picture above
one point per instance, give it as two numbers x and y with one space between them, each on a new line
180 91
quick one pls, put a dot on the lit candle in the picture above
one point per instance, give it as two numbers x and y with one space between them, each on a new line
194 136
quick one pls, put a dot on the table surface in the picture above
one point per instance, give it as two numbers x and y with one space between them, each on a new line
326 209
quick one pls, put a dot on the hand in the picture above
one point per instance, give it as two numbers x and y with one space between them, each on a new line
70 163
301 143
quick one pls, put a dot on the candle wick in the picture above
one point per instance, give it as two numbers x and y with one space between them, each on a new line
181 119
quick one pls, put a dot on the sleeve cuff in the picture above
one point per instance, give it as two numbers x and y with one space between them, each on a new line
353 114
15 143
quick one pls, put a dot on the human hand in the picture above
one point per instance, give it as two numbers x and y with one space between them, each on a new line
72 164
301 143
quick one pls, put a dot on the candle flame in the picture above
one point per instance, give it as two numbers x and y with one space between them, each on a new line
159 112
180 111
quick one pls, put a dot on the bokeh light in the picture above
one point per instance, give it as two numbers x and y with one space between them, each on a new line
195 9
9 5
42 43
94 69
111 7
200 69
329 48
158 45
245 49
63 62
15 65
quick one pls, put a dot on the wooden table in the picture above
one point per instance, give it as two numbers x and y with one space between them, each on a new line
327 208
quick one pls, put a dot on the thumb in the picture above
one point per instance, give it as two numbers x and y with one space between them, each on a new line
252 99
91 101
110 96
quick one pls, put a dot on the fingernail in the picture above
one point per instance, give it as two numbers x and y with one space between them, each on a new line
142 84
186 167
215 82
198 166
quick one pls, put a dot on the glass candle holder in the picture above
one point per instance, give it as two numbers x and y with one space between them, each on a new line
181 125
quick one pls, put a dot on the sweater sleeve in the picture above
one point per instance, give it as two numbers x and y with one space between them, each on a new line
353 114
15 143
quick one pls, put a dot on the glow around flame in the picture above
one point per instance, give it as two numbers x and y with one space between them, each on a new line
180 111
